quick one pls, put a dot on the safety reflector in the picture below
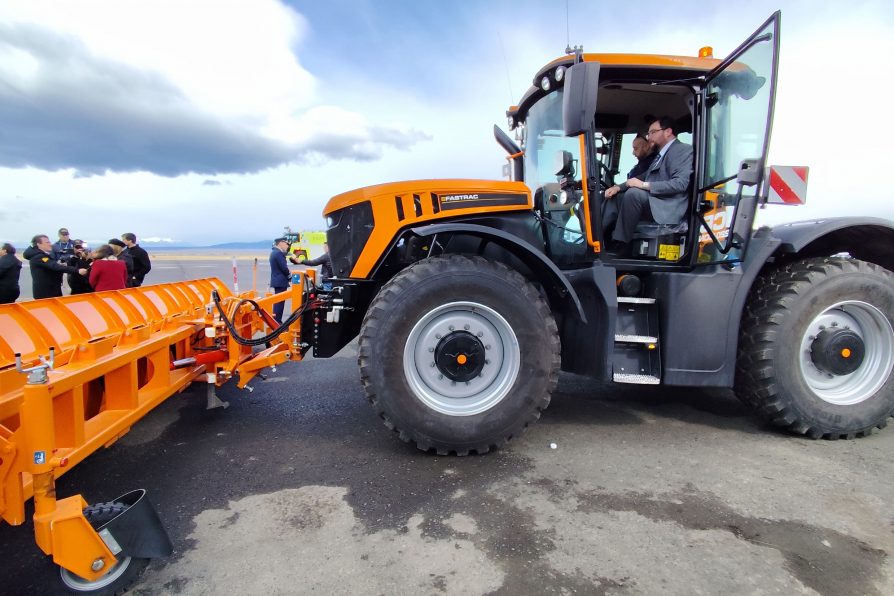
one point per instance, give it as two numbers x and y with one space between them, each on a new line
787 185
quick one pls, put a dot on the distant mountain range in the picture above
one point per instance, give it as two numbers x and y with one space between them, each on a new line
240 245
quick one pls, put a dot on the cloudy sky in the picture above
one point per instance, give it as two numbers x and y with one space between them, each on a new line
224 120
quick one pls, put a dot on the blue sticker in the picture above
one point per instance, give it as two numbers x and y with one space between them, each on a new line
40 457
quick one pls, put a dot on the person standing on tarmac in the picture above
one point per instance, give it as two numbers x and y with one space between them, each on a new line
81 259
62 249
46 274
141 263
107 272
279 274
120 250
325 262
10 268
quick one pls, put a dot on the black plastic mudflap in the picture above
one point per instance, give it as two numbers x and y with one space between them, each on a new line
137 531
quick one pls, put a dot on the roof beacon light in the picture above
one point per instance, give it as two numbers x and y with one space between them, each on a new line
544 83
560 74
706 52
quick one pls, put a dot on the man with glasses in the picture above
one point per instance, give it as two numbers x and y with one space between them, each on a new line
660 194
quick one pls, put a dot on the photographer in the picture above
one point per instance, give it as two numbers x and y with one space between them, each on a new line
80 284
63 249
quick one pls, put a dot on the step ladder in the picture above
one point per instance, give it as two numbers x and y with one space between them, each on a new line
636 357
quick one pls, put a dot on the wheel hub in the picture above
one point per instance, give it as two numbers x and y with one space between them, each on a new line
460 356
838 351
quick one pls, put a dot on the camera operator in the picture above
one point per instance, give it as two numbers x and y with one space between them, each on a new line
80 284
63 249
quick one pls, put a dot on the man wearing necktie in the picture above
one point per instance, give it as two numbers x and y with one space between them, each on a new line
660 194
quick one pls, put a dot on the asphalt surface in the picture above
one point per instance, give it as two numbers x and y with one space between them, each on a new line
299 488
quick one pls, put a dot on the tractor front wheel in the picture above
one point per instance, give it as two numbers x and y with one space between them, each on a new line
459 354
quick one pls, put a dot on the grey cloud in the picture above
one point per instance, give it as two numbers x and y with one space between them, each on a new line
97 116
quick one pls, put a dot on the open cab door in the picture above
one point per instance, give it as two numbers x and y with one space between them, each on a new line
736 115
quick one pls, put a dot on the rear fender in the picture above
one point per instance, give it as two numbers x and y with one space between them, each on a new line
865 238
561 295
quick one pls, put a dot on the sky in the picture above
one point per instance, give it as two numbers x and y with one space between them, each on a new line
215 121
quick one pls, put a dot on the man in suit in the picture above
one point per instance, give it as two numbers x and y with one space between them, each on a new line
645 153
279 274
661 194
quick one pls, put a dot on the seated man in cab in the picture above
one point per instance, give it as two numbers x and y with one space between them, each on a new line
660 194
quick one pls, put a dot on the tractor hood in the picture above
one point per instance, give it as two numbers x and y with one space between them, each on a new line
450 195
362 223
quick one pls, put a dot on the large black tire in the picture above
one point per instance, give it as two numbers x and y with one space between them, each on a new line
410 355
786 368
121 576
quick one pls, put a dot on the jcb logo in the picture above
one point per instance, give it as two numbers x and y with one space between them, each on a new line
718 222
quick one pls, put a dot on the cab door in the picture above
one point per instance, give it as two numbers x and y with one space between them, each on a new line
736 115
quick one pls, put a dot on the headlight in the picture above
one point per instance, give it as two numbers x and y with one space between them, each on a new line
560 74
544 83
563 197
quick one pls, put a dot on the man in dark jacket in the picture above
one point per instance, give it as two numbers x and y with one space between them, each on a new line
46 274
63 249
10 268
141 264
79 284
325 262
120 250
279 274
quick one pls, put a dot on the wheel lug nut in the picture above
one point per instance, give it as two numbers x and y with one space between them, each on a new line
451 327
437 336
487 361
480 334
440 377
487 347
432 364
466 327
432 349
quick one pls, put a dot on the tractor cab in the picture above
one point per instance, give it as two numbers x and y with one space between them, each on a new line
577 124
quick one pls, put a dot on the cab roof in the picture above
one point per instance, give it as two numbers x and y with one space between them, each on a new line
627 67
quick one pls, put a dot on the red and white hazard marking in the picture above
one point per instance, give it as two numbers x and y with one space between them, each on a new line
788 185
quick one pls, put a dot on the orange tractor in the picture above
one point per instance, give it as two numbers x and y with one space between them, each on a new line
469 297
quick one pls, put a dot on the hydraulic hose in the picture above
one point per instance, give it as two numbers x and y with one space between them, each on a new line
260 340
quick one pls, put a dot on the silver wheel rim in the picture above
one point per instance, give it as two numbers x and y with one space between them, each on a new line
503 358
877 335
79 584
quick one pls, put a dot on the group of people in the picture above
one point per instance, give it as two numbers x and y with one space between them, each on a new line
118 264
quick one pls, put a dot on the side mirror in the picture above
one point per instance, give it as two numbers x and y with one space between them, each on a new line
749 173
579 99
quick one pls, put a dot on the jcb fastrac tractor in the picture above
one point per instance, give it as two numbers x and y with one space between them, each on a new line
470 296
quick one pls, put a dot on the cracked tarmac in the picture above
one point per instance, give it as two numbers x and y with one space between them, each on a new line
298 488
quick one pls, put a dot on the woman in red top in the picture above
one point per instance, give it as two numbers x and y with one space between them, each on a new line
107 272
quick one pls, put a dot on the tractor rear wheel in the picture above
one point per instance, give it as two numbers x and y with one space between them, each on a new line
458 354
816 348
